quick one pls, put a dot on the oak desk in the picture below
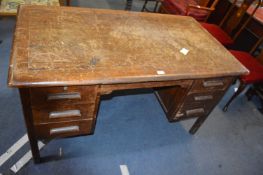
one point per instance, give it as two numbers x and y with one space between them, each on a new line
64 59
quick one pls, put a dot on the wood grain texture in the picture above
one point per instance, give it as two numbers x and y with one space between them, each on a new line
76 46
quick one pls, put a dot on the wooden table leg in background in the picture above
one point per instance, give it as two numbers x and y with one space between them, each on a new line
197 124
128 5
26 104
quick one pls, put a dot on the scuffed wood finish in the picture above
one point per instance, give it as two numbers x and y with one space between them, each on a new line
76 46
64 59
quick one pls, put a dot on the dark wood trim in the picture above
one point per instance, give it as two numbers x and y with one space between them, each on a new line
26 105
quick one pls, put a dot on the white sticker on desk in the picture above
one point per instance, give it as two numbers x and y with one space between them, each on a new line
160 72
184 51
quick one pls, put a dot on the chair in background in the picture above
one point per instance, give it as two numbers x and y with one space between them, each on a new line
255 73
198 9
144 8
231 22
67 2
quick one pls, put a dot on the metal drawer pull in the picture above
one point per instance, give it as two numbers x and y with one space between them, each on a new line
61 114
64 129
195 111
178 115
213 83
203 97
61 96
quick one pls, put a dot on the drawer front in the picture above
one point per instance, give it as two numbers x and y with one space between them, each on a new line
211 84
204 98
64 129
58 113
63 95
198 105
198 111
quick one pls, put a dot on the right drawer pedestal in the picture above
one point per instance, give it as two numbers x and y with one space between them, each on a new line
198 101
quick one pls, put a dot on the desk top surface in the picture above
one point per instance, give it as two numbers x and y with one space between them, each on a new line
56 46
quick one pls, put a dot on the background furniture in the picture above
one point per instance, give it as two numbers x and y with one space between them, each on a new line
68 2
249 39
127 7
62 77
255 73
199 9
232 22
144 7
9 7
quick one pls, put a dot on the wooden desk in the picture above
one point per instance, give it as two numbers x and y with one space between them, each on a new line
64 59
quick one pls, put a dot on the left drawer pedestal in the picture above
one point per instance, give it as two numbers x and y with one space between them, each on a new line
55 112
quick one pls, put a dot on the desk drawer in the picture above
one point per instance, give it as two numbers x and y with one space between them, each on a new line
57 113
198 105
63 95
186 113
205 97
214 84
64 129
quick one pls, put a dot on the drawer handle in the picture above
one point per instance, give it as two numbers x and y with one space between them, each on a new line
64 130
195 111
203 97
61 96
178 115
213 83
61 114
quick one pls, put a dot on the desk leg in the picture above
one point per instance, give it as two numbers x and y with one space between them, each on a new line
197 124
26 104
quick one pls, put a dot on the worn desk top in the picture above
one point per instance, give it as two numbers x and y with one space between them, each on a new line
77 46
